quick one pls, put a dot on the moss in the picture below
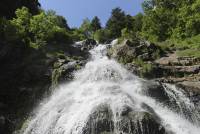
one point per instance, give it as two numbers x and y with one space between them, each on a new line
77 58
56 73
166 45
125 59
23 127
120 40
146 69
77 67
157 54
138 62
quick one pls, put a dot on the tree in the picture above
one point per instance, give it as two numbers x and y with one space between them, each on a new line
8 7
85 28
157 24
47 28
166 19
116 22
40 30
60 20
95 24
137 22
188 20
129 22
77 34
22 23
128 34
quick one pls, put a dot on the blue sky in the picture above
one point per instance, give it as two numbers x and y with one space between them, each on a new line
77 10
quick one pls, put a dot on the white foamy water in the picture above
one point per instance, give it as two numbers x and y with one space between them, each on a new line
101 81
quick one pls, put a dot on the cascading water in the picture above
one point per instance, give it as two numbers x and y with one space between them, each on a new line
179 102
104 98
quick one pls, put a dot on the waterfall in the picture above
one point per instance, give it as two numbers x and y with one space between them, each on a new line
105 98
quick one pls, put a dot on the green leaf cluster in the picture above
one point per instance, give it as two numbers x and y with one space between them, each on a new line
39 30
165 19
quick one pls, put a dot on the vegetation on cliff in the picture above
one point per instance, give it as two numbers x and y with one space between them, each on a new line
30 45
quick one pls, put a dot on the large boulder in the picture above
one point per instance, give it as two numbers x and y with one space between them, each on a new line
129 50
128 121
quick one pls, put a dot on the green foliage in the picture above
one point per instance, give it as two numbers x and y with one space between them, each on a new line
189 52
116 22
137 23
125 59
128 34
78 34
157 24
187 47
188 43
102 35
39 30
165 19
156 54
189 21
146 68
22 23
86 28
120 22
62 22
44 27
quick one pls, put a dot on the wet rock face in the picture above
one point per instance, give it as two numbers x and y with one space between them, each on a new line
100 121
192 90
128 121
